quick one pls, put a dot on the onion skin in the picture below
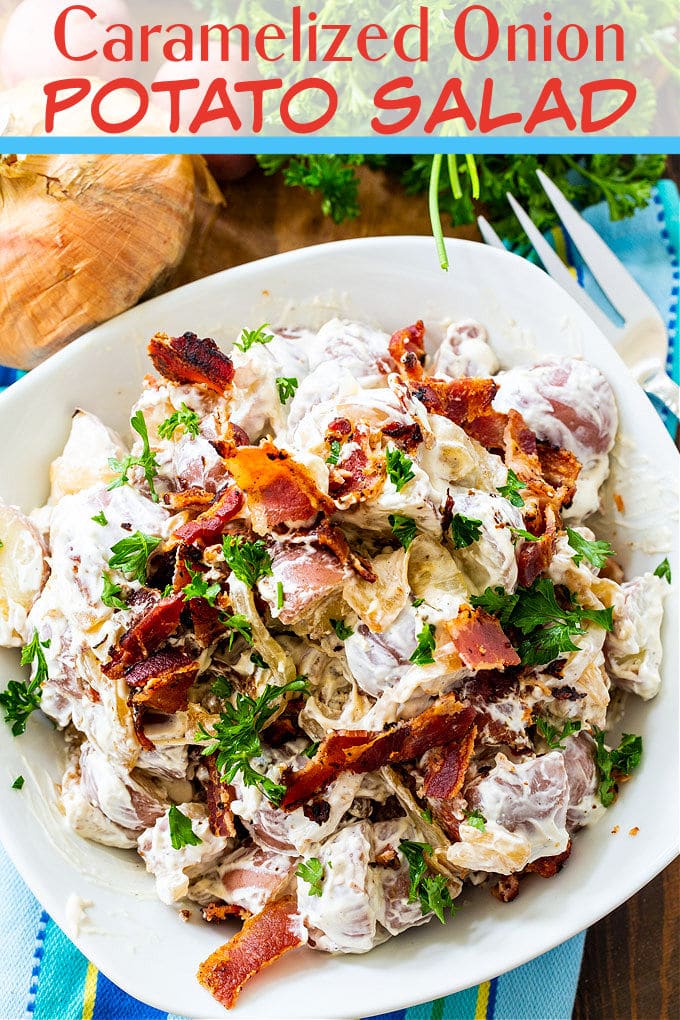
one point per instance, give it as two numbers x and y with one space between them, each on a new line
84 237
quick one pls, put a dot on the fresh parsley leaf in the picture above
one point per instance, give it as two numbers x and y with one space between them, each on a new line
310 751
522 533
238 624
18 783
341 629
100 518
664 570
185 419
131 555
222 688
417 602
335 451
330 175
312 872
398 468
146 461
511 489
465 531
21 698
198 588
2 544
111 594
258 661
427 815
548 643
595 552
279 595
554 737
496 601
431 890
615 764
422 656
403 528
248 560
236 736
181 832
253 336
476 819
286 386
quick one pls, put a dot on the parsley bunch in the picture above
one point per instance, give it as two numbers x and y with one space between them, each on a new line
20 699
431 890
618 762
547 627
146 461
236 739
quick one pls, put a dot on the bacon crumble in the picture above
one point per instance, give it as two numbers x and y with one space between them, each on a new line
187 359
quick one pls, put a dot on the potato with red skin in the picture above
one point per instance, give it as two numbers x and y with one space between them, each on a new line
28 48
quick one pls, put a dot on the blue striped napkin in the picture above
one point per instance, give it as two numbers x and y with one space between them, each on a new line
44 977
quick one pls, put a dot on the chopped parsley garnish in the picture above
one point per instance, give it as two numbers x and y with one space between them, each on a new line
465 531
21 698
146 461
554 737
18 783
2 544
131 555
335 451
249 561
310 751
614 764
100 518
238 624
664 570
595 552
185 419
279 595
258 661
511 489
422 656
111 594
312 872
547 628
181 832
403 528
198 588
222 687
522 533
286 387
427 815
399 468
253 336
236 737
476 819
341 629
431 890
417 602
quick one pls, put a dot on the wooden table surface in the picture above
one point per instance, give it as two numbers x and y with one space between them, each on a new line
630 969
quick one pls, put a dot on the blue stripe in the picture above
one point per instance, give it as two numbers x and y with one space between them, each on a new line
112 1003
370 143
491 1006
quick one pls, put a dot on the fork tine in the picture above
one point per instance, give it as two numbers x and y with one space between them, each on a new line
625 294
488 233
556 268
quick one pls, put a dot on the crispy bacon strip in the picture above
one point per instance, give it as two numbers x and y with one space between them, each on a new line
194 498
186 359
215 913
365 751
488 429
146 635
520 448
206 621
534 558
447 767
407 347
548 867
480 641
208 527
460 400
407 437
280 491
262 940
219 797
161 682
560 468
360 474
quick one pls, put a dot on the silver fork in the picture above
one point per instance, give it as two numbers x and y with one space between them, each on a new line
642 341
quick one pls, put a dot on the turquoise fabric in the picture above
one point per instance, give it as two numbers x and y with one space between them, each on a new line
43 976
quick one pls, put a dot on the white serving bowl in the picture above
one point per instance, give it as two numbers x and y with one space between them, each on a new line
133 938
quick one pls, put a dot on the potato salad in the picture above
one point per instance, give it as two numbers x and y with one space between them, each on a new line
327 633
